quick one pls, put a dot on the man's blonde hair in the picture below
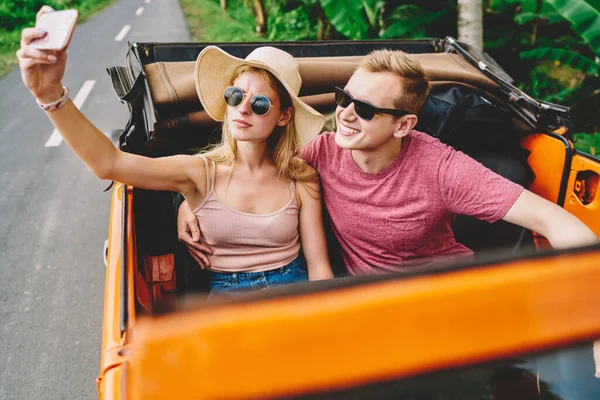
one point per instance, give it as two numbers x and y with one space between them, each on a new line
415 85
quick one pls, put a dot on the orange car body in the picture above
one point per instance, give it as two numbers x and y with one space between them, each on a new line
323 337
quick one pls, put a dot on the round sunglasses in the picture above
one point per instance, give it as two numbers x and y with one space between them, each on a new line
234 96
363 109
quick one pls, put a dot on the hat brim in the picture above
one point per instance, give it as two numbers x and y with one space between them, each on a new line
212 75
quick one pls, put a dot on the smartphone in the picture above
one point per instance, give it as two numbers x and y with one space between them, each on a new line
60 26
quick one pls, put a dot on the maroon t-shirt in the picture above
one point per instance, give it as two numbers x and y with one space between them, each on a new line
402 214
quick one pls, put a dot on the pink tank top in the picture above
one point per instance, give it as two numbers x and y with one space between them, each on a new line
244 242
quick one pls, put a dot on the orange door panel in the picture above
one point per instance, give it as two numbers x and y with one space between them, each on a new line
119 303
550 160
582 198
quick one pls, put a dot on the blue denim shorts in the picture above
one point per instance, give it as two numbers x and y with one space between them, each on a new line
241 282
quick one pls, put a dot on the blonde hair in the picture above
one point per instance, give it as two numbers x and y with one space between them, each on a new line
282 141
415 84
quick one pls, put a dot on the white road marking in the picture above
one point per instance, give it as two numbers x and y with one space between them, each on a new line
147 1
121 35
139 11
56 139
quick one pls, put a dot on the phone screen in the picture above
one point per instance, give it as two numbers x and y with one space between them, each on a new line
59 25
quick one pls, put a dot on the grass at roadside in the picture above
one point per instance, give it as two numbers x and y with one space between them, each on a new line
9 41
208 23
9 44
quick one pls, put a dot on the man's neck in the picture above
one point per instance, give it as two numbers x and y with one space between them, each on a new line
376 160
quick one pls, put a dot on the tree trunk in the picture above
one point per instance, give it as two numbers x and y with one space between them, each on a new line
470 23
536 23
324 29
223 5
261 21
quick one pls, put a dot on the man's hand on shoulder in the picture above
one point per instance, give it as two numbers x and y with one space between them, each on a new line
188 232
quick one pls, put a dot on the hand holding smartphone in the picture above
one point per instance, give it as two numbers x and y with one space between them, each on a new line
59 26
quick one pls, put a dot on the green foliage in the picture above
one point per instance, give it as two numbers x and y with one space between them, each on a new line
382 19
549 17
293 26
289 21
18 14
373 9
208 23
347 17
548 46
584 17
541 84
550 49
411 21
566 57
589 143
562 95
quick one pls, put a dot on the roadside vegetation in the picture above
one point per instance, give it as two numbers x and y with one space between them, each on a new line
18 14
207 22
550 47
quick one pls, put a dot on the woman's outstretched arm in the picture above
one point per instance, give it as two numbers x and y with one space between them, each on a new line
312 232
42 73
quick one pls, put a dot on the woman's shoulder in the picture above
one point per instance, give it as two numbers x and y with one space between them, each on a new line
308 190
304 172
202 169
307 178
200 162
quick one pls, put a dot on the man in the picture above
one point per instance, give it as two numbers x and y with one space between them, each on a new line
392 192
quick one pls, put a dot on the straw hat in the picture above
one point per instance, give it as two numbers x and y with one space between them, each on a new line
214 70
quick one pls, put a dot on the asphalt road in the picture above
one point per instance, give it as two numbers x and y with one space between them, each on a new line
54 214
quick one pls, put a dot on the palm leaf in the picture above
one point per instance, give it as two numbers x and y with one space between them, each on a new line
406 11
584 17
527 5
561 96
413 26
551 17
566 57
346 17
372 9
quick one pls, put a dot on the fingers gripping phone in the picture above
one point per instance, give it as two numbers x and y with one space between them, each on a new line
60 26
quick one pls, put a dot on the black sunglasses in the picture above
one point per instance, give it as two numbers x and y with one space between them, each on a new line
363 109
234 96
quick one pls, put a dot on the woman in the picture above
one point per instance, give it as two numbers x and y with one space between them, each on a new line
255 202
